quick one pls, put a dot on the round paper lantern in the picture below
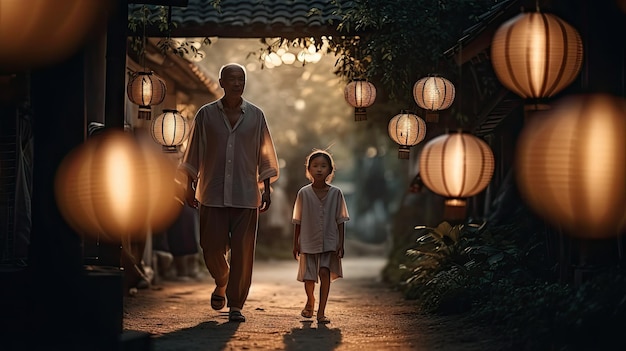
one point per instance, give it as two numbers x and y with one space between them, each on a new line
360 94
169 129
407 130
456 166
145 89
536 55
433 94
571 165
36 33
117 185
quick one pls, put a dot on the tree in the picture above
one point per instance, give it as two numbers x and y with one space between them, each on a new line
395 43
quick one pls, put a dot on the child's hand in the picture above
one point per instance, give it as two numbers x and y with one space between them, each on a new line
340 252
296 251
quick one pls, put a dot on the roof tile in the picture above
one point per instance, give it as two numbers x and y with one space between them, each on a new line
254 18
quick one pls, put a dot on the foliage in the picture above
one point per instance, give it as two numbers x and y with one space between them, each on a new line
501 276
402 41
395 43
144 16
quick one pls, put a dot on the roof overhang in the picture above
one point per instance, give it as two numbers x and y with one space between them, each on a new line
251 19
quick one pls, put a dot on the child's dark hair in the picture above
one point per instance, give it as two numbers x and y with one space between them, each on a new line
320 153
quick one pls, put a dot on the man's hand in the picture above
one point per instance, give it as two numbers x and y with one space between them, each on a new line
190 195
265 201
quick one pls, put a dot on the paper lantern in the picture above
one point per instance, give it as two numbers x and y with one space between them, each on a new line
169 129
117 185
433 94
145 89
360 94
536 55
571 165
407 130
37 33
456 166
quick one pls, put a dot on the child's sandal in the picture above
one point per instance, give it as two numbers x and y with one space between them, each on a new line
307 312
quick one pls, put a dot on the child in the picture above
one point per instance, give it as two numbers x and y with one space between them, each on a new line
318 244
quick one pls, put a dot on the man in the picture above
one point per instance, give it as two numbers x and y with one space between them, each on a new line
229 154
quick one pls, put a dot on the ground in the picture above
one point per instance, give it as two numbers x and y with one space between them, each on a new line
365 315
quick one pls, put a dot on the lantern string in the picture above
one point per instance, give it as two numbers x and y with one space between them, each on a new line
461 77
359 64
438 42
169 26
144 19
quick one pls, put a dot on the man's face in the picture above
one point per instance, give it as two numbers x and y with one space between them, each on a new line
233 81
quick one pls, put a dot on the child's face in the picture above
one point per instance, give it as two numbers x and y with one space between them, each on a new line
319 168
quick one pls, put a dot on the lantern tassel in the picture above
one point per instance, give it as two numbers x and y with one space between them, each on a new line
403 153
144 113
169 148
360 114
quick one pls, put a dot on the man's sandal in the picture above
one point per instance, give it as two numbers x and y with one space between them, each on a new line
236 316
323 320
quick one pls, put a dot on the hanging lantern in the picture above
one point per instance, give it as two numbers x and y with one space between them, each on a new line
145 89
456 166
536 55
433 94
117 185
571 165
407 130
37 33
169 129
360 94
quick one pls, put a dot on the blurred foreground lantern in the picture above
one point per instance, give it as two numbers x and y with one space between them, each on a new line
360 94
456 166
407 130
170 129
536 55
433 94
145 89
116 185
35 33
571 165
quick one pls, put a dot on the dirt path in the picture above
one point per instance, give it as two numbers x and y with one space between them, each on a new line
365 315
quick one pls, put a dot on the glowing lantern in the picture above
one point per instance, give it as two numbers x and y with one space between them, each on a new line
116 185
360 94
40 32
407 130
571 165
536 55
169 129
456 166
145 89
433 94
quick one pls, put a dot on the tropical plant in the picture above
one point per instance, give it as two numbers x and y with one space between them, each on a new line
502 276
441 265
